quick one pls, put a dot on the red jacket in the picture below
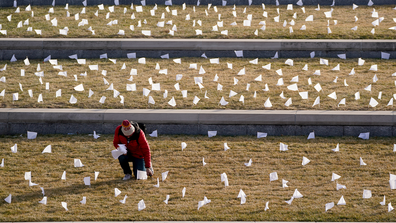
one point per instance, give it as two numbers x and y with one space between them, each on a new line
139 150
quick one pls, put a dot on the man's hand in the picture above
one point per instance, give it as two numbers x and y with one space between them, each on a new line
119 149
122 148
150 171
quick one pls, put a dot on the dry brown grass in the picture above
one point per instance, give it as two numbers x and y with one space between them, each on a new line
186 170
315 30
135 99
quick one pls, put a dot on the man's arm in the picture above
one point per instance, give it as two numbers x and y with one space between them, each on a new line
116 140
145 148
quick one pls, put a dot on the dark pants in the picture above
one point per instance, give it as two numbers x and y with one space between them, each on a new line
138 164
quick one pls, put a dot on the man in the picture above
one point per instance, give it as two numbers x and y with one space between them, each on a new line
138 150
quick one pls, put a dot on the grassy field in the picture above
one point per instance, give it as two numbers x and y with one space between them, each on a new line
185 168
94 80
317 29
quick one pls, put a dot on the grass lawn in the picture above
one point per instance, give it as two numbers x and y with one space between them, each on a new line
185 168
254 97
107 24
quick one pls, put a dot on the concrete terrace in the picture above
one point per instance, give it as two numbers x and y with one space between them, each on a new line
193 122
190 122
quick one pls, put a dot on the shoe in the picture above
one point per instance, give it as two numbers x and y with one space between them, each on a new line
127 177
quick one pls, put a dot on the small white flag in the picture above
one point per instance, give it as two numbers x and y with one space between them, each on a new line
283 147
268 103
289 62
261 135
64 205
284 183
8 199
87 181
141 205
226 147
373 102
84 200
154 133
317 101
47 149
341 201
43 201
362 163
311 135
367 194
31 135
14 148
116 192
297 194
329 206
273 176
365 135
305 161
335 176
212 133
239 53
78 163
385 56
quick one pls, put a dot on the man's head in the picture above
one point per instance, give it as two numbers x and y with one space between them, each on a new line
127 129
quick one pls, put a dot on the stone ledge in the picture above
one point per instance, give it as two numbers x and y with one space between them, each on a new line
9 3
195 44
199 122
61 48
207 117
